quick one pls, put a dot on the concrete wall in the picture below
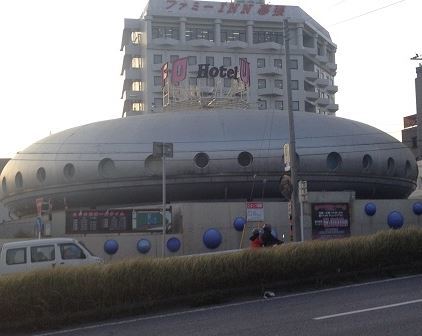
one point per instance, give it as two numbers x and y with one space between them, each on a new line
194 219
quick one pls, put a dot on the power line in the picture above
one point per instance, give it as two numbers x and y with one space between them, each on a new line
366 13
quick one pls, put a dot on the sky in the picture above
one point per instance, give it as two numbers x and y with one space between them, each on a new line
60 62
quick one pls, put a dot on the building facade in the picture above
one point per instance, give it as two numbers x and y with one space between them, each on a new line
218 34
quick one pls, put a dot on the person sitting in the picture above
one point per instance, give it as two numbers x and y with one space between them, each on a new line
255 239
268 239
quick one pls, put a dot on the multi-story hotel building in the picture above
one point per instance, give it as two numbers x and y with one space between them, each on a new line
219 34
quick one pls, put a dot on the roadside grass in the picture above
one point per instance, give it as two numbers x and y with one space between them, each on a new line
54 298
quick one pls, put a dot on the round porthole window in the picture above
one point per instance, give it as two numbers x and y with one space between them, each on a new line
245 159
19 180
334 161
69 171
4 185
366 162
41 175
201 160
407 169
391 166
153 164
106 168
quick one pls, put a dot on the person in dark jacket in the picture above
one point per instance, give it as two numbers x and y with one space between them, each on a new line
268 238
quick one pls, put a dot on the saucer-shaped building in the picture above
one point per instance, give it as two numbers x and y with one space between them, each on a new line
219 154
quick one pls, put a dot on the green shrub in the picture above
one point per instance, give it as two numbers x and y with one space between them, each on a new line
55 297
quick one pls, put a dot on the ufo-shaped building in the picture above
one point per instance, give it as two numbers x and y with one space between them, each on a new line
220 154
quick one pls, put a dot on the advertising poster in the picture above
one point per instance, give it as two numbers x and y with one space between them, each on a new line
330 220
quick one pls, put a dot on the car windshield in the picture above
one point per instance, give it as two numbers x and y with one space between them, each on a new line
86 248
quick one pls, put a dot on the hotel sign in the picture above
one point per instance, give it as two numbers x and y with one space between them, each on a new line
180 67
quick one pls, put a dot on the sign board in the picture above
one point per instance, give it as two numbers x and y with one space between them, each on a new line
330 220
255 211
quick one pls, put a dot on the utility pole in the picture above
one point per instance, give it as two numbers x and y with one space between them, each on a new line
294 201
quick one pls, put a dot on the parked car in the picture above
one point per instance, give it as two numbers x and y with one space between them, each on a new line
28 255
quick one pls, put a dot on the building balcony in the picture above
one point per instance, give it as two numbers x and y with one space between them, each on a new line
133 49
323 102
311 95
165 41
322 82
331 89
267 46
270 92
322 58
269 71
202 43
235 44
135 95
310 76
332 107
310 51
135 74
331 66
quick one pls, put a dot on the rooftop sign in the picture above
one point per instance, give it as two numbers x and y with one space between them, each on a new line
211 8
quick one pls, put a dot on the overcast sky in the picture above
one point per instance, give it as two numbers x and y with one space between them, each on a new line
61 60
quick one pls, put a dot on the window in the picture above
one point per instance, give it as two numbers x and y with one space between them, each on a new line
278 63
262 104
157 80
193 81
42 253
201 160
262 83
245 159
137 86
279 104
209 60
173 58
260 63
137 63
136 37
165 32
267 36
158 102
138 107
16 256
334 161
71 251
227 61
294 84
414 142
18 180
192 60
295 105
199 33
233 35
158 59
41 174
293 64
278 83
69 171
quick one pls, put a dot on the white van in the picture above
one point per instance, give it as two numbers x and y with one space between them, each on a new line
28 255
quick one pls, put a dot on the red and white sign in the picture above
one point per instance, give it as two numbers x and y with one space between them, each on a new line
254 211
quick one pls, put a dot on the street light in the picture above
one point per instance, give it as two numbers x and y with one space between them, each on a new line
163 150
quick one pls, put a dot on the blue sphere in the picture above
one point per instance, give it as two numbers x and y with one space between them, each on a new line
417 208
173 244
395 220
370 209
212 238
143 246
239 223
111 246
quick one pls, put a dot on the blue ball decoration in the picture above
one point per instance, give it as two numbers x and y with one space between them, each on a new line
370 209
395 220
417 208
212 238
239 223
111 246
143 246
173 244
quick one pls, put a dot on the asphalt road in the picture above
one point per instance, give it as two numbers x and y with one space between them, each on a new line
388 307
